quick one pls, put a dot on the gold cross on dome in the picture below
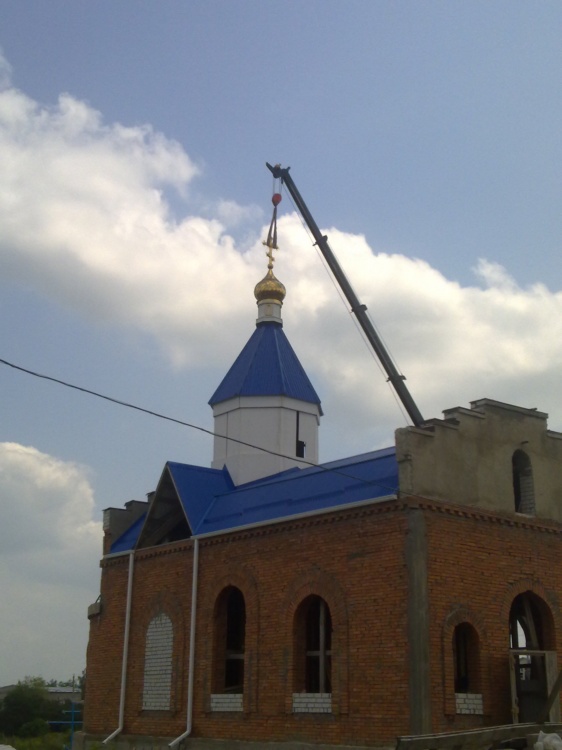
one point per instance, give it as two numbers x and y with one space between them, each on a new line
270 248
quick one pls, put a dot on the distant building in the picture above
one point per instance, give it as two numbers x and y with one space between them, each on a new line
60 694
63 694
408 590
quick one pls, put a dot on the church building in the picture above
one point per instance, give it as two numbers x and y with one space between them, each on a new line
273 598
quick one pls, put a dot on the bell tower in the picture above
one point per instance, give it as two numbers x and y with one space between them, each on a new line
266 411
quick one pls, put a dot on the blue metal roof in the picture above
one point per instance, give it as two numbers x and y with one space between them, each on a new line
297 491
197 487
213 504
128 538
266 366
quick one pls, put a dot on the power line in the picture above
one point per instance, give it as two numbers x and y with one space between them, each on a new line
181 422
119 402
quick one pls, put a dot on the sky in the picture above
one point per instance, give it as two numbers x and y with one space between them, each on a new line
134 198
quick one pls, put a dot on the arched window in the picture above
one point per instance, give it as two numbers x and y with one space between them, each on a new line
466 653
531 625
313 644
230 636
523 489
533 657
157 686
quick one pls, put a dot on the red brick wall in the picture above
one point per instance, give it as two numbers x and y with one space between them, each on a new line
105 648
478 563
355 561
357 565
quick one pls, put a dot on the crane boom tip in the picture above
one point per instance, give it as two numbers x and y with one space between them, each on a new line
277 171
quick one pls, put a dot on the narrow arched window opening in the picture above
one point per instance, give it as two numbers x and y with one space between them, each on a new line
229 649
312 657
235 642
523 487
466 659
300 448
313 646
318 647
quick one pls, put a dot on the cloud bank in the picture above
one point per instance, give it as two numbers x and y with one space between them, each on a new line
84 220
49 544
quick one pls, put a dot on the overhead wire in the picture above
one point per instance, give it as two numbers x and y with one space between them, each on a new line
277 188
183 423
321 467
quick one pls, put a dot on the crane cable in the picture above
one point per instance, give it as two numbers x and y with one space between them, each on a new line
276 198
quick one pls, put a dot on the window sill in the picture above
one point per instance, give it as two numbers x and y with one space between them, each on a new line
469 704
312 703
227 702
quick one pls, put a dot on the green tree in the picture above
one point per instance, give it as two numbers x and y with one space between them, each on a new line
22 705
34 728
35 681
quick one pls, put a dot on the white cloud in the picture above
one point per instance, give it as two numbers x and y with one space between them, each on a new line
231 214
5 72
49 545
454 343
84 219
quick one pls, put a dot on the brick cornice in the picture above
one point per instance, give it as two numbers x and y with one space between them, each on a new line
292 524
142 554
275 527
164 549
393 505
466 511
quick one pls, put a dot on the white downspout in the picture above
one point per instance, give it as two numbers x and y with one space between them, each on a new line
191 670
125 651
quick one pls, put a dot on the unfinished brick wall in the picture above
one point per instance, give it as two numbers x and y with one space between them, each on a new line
478 562
105 649
161 584
354 561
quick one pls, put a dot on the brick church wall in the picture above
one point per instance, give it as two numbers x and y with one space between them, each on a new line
353 560
105 648
478 563
356 563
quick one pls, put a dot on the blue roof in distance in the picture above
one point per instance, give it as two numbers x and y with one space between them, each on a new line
266 366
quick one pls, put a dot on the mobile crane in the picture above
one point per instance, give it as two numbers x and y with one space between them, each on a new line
359 310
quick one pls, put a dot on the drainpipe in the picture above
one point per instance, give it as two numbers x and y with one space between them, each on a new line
125 651
191 671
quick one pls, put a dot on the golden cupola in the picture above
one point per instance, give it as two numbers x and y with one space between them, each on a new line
270 288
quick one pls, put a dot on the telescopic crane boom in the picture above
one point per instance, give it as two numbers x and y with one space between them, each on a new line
357 308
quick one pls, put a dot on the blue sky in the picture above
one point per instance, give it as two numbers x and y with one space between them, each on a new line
425 138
